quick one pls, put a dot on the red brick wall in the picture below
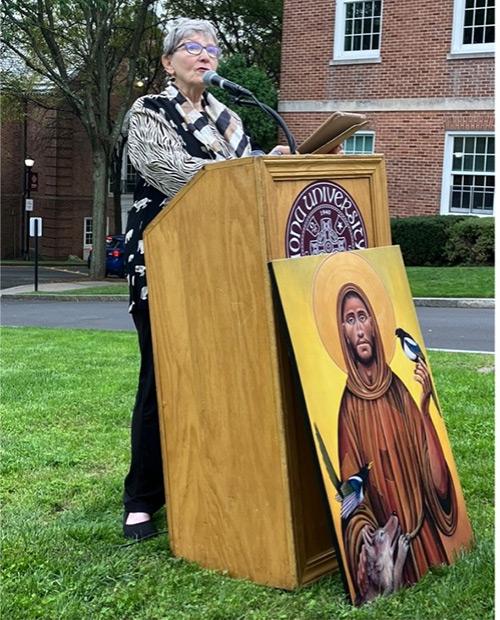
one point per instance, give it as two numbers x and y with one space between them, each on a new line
307 46
12 187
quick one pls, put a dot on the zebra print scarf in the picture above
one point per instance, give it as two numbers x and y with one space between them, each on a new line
227 123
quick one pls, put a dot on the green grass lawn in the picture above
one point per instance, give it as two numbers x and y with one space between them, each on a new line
452 281
118 288
67 396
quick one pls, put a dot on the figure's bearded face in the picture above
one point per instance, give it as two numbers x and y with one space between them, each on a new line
358 329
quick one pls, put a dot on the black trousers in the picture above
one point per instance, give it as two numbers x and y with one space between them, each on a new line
144 490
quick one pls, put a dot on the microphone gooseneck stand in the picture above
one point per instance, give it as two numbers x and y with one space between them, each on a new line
254 102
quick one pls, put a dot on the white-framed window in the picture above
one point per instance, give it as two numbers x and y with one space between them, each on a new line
473 26
468 173
361 143
358 29
128 175
87 232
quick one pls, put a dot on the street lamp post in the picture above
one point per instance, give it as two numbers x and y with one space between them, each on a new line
28 165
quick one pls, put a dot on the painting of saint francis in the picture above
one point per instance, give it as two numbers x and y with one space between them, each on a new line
401 508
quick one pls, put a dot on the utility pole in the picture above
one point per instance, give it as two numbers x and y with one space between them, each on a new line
28 203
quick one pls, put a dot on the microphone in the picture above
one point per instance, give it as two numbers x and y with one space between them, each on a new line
212 78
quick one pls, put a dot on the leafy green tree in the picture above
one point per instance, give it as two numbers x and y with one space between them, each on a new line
87 53
258 125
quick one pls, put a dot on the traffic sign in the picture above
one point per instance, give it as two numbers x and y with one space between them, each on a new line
33 180
35 226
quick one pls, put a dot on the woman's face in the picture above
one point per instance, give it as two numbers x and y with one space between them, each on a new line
188 69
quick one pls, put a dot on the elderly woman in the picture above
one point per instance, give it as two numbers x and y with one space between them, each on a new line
171 136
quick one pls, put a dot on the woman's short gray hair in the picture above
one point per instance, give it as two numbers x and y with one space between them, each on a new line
182 27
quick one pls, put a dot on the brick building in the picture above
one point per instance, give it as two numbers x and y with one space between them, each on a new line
58 144
422 72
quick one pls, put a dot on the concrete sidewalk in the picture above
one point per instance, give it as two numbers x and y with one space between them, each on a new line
45 293
55 292
54 287
454 302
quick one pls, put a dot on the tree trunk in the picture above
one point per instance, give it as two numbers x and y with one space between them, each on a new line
99 211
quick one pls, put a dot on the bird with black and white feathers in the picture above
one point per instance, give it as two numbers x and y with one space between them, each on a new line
351 492
410 346
414 353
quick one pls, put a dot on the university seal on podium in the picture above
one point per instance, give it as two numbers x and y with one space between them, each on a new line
324 219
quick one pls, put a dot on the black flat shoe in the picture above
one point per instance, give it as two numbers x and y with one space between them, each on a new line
138 531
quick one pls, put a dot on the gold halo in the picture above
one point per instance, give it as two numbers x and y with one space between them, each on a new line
330 276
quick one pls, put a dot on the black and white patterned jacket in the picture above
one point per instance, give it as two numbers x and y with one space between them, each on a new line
169 141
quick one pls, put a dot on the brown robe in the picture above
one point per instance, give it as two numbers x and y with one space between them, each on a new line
381 423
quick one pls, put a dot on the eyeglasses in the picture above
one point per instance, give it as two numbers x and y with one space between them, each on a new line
195 49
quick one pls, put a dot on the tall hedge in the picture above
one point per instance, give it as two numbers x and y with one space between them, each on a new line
445 240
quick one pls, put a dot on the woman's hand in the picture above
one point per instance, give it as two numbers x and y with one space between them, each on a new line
280 150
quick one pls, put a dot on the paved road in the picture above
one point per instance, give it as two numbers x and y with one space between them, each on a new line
463 329
17 275
72 314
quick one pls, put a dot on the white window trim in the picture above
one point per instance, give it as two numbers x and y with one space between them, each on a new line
338 44
447 173
365 133
457 47
124 168
88 246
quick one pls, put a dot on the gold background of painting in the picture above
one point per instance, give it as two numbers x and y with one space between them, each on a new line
310 308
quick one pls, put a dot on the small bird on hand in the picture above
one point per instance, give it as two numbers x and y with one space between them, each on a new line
410 346
351 492
414 353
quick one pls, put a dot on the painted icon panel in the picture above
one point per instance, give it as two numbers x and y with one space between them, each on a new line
389 473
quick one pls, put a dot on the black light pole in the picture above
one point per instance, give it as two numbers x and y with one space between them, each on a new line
28 165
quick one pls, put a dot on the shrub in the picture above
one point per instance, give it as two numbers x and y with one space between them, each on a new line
472 242
422 239
445 240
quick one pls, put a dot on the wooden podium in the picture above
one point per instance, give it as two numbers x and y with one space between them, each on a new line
243 491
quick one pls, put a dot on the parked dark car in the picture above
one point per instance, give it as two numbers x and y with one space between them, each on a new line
115 255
